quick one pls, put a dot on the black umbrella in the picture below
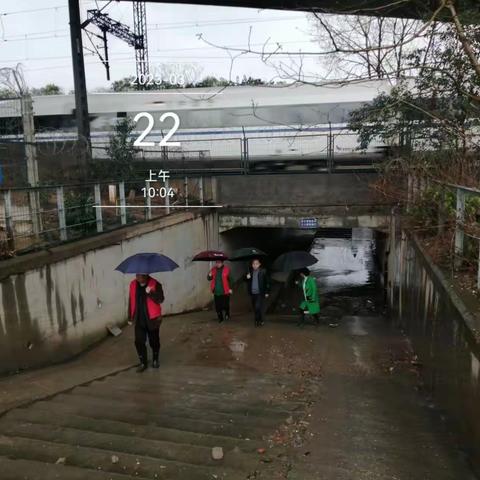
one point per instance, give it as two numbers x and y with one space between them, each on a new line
247 253
293 261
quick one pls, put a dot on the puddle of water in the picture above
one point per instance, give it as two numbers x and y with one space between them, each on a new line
347 276
237 347
359 361
355 326
344 263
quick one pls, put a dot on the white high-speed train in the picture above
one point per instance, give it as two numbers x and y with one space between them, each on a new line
263 124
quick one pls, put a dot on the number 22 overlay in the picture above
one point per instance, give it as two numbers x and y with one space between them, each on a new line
164 142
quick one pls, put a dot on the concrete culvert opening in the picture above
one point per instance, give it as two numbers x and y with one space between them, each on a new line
349 272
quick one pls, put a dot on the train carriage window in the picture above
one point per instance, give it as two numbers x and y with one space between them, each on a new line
53 122
121 114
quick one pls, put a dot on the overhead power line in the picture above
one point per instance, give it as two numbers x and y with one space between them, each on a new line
215 23
156 26
32 10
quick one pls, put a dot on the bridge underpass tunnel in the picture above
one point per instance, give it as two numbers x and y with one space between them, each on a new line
349 271
371 417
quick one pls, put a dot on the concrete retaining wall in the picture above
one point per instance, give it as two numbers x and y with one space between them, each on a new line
295 190
444 334
55 304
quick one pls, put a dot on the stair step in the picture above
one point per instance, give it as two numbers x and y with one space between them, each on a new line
94 459
158 424
31 470
140 418
222 405
170 410
40 415
198 455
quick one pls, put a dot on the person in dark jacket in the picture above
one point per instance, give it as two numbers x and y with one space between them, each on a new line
259 289
220 283
146 296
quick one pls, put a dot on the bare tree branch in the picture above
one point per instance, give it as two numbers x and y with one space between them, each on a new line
467 46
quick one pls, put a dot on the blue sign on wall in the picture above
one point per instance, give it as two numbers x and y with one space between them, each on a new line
308 223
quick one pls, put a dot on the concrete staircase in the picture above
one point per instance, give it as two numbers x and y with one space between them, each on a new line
160 424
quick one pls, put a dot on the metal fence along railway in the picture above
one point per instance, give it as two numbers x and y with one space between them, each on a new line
297 150
457 208
269 151
33 218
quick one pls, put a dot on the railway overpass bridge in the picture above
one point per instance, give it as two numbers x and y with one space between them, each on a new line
336 200
232 401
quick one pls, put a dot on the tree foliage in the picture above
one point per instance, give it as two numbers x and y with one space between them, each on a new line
48 89
121 150
436 109
121 153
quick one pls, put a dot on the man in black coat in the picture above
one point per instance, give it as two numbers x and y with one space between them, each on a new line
258 288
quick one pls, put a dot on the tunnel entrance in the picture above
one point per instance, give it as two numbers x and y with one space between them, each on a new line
349 271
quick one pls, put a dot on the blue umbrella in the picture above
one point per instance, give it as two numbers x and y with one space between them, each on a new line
147 263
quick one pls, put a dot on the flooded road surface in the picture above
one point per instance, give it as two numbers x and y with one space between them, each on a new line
346 272
345 263
371 419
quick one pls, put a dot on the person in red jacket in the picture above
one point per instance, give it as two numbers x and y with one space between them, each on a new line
220 281
146 296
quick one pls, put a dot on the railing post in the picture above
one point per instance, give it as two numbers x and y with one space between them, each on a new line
243 152
459 234
214 188
123 210
148 202
409 192
330 149
62 223
186 191
167 196
34 202
200 190
98 208
7 202
245 156
441 212
478 267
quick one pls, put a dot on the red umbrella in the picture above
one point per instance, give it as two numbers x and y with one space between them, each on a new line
209 255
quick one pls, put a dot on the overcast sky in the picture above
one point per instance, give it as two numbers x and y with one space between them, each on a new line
36 35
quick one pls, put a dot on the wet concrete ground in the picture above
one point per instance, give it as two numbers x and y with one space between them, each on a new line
312 403
361 415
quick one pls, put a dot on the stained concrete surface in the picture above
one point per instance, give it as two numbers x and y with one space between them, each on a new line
324 404
444 324
74 293
312 403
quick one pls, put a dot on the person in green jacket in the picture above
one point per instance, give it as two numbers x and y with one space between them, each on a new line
311 302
